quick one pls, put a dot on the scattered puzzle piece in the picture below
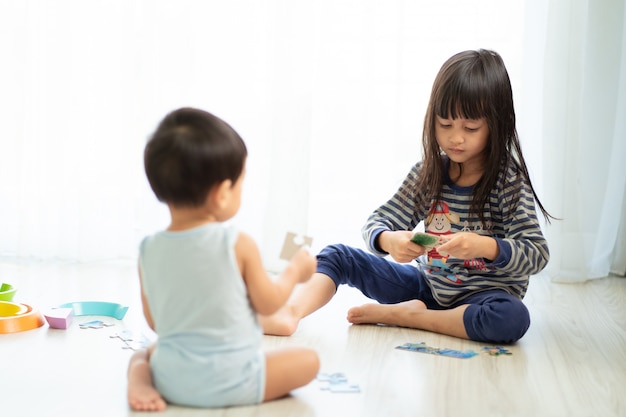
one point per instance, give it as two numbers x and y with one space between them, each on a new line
130 341
496 350
343 387
335 378
337 383
124 335
95 324
424 348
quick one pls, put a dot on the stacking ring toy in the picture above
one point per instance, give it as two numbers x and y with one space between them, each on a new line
18 317
9 309
7 291
97 308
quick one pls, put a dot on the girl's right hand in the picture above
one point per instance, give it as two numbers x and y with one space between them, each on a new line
305 264
398 244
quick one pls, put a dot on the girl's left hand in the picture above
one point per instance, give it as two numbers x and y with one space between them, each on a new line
468 245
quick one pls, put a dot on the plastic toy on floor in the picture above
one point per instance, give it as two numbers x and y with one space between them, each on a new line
97 308
59 318
7 291
16 317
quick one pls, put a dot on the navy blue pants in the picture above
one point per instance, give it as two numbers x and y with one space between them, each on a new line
492 316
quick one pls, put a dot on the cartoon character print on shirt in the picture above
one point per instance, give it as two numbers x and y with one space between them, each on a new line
478 264
439 223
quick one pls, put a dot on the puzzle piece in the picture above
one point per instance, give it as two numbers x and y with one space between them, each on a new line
335 378
496 350
293 242
130 341
124 336
426 240
343 388
95 324
337 383
424 348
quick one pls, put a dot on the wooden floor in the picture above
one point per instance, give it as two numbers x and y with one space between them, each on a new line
572 361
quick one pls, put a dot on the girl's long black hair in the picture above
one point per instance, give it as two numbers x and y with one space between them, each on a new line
474 85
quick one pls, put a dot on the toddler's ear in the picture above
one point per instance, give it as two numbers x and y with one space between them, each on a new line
220 194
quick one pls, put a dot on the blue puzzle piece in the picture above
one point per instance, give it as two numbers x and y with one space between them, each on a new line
424 348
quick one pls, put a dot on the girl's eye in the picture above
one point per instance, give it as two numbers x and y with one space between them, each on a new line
471 129
444 126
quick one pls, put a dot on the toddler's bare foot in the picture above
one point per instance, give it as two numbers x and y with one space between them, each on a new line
282 323
142 396
145 398
400 314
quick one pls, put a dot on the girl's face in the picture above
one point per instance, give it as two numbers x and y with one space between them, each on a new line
463 140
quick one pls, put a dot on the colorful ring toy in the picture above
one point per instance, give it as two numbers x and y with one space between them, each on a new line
7 291
97 308
18 317
9 309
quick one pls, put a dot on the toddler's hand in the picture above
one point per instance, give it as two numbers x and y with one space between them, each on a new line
305 264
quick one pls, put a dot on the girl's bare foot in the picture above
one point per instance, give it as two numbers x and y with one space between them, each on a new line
145 398
401 314
282 323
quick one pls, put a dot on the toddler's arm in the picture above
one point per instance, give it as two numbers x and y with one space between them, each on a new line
144 303
266 294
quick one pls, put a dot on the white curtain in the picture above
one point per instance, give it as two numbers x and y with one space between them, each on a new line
576 95
328 95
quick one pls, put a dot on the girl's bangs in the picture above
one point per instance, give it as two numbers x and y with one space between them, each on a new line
461 101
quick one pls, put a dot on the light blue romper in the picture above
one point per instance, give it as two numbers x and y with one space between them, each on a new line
208 351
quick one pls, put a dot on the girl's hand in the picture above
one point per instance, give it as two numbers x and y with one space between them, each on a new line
467 245
398 244
305 264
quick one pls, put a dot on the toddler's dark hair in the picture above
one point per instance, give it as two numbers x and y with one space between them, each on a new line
190 152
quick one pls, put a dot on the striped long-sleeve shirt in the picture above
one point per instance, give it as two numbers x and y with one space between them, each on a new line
523 248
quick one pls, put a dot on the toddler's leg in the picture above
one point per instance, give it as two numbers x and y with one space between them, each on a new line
309 297
375 277
288 369
142 396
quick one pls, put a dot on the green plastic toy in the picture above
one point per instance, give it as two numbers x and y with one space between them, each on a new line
7 291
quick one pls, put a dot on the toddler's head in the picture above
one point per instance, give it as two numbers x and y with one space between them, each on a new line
190 152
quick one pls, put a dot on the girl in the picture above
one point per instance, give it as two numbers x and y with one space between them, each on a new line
203 282
473 192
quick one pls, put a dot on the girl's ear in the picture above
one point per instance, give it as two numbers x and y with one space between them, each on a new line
220 194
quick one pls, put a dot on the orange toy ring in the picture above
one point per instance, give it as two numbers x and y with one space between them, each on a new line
16 317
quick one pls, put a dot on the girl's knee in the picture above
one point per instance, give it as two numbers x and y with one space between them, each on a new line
333 261
503 321
334 253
